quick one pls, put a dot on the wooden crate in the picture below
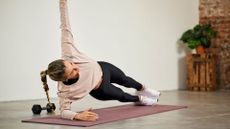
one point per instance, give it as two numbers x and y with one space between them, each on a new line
201 72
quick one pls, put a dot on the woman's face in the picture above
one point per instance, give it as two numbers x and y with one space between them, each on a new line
71 70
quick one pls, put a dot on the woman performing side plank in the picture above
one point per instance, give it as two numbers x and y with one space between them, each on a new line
78 75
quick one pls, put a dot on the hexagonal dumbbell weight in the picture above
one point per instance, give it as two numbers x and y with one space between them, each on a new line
50 107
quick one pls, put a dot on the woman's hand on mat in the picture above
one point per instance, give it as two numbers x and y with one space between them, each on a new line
86 115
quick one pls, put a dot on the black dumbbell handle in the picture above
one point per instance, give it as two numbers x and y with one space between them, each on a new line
44 108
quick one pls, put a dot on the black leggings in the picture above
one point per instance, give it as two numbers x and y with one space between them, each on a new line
107 91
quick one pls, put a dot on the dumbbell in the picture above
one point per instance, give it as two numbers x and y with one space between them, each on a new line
50 107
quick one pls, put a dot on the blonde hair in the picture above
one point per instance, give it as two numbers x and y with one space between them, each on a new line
56 71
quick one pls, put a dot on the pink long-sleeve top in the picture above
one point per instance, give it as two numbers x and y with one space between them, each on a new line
90 71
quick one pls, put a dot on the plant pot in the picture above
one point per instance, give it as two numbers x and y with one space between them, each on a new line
200 50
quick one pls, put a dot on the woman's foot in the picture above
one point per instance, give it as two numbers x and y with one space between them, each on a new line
149 93
144 100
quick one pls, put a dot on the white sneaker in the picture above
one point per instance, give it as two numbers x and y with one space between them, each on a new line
144 100
149 92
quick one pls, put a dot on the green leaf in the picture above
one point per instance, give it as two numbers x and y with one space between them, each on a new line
186 36
193 43
205 42
197 27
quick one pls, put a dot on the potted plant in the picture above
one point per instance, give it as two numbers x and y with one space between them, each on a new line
199 37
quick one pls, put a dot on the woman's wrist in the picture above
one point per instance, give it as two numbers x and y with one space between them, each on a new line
76 117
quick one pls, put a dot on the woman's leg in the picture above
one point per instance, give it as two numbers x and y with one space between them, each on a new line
118 76
108 91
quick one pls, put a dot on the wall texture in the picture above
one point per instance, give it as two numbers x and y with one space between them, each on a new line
139 36
217 13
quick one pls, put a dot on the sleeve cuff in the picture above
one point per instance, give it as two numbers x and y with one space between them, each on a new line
67 114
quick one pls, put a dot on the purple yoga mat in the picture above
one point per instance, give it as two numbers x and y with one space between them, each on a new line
109 114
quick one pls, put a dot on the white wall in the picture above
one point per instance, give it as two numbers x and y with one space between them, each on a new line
139 36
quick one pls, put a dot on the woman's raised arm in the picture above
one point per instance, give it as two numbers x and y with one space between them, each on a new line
67 40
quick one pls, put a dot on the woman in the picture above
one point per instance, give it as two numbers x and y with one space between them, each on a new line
78 75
